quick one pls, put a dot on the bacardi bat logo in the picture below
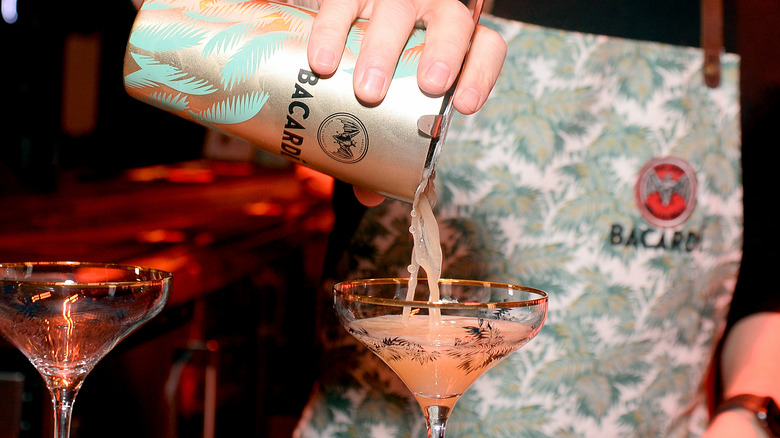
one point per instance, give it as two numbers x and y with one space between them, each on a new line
343 137
666 191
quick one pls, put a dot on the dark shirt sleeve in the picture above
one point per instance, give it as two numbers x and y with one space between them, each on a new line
757 286
665 21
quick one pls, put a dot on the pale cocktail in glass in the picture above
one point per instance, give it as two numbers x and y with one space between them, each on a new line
439 348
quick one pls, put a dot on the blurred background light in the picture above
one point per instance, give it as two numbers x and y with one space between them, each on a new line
8 9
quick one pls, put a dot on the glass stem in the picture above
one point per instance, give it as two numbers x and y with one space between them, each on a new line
436 418
63 395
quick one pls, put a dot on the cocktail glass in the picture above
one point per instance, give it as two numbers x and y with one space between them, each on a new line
65 316
439 349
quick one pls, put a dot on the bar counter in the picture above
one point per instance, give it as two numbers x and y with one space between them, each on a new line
245 246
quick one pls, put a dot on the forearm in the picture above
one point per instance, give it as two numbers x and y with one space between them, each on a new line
751 354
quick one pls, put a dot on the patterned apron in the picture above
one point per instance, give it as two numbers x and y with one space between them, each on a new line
605 172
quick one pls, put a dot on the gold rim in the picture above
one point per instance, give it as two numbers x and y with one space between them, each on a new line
342 290
156 275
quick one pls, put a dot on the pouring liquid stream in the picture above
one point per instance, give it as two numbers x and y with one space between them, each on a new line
426 251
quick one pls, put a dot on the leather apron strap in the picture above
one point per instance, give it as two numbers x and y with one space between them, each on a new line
712 40
711 37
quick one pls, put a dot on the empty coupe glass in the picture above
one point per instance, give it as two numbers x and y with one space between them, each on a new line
65 316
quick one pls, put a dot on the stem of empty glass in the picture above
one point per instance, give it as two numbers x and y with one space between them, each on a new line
436 417
63 395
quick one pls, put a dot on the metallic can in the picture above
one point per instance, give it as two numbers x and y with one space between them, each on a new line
240 67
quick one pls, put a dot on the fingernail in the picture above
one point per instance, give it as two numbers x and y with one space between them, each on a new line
326 59
470 98
373 81
438 73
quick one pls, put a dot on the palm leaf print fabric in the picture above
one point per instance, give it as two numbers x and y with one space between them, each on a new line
540 188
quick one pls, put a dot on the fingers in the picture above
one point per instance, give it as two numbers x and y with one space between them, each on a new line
388 30
367 197
449 32
449 26
389 27
329 35
480 72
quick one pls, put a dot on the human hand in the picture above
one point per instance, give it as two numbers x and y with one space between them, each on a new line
449 28
449 25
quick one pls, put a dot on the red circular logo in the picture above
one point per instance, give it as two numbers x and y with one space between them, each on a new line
666 191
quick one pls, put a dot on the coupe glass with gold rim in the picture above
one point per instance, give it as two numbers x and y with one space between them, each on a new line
440 348
65 317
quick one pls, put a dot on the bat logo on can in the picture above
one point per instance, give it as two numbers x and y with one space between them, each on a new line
343 137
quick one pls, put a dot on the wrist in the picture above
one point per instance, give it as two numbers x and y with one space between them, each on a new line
735 423
763 412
